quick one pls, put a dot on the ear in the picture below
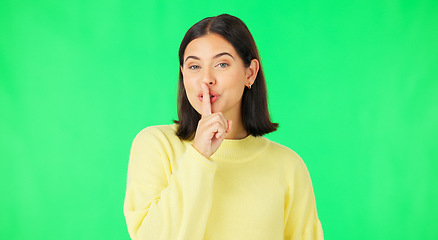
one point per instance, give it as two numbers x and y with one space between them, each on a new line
252 71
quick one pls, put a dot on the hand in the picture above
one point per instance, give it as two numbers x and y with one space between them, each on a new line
212 128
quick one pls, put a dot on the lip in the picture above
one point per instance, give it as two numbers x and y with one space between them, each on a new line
213 97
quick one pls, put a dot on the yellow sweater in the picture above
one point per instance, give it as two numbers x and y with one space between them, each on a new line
251 188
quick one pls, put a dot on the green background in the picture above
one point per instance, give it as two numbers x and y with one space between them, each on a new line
353 85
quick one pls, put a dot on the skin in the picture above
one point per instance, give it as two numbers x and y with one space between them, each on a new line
212 66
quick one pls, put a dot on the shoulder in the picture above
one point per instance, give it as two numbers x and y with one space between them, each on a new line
287 158
283 152
158 133
293 166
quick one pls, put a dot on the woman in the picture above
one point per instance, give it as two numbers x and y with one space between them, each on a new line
211 175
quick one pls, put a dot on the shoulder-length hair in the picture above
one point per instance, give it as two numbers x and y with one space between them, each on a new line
255 115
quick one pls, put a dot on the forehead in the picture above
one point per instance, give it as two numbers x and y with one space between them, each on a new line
208 46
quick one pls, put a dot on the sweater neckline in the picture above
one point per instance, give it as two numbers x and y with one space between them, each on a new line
240 149
237 150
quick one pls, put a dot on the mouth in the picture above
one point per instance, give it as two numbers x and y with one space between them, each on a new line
213 97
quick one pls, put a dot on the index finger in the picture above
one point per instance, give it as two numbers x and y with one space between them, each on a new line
206 105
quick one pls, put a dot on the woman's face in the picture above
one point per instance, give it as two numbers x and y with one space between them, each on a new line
213 60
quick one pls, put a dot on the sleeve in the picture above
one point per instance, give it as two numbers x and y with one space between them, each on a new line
302 220
159 206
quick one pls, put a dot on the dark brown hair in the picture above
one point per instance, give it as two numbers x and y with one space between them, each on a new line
255 114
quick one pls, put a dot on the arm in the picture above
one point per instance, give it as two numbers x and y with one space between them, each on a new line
300 210
161 207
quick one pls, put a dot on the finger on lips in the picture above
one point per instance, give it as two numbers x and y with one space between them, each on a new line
206 105
220 126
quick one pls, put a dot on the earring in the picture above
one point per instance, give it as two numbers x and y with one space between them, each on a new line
249 87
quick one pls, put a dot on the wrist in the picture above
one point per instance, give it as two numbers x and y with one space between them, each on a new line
202 153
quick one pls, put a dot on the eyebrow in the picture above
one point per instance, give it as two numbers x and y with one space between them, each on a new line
215 56
223 53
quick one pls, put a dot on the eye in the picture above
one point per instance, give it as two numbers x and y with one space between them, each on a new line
223 65
194 67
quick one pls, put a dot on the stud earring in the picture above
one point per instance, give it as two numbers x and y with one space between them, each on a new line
249 87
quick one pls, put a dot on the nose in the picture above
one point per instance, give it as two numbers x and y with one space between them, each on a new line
208 77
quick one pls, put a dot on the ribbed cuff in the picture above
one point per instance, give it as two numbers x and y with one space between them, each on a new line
199 159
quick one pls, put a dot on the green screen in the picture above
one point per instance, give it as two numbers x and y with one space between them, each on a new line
353 85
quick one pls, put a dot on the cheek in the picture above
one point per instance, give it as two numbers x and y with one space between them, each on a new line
188 86
238 93
189 82
236 84
191 94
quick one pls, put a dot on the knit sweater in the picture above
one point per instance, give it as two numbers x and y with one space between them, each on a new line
250 188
